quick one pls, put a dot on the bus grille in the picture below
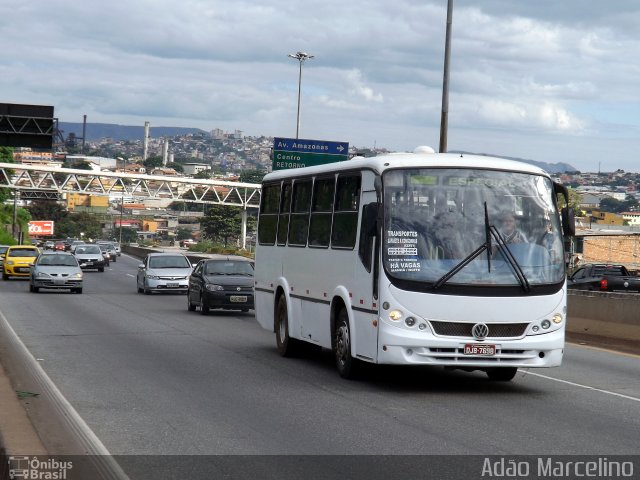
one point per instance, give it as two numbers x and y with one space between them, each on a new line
463 329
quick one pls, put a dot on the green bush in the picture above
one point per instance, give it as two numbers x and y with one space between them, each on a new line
6 238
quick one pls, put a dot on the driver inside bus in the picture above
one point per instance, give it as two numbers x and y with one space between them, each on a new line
509 231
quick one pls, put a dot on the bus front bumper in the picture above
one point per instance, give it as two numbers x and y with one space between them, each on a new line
397 346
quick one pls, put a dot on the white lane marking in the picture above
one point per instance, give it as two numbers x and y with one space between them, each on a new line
130 275
586 387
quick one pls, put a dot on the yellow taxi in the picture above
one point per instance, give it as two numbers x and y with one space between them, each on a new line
17 260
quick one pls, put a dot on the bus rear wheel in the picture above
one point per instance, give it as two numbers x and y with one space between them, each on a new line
502 374
287 346
347 365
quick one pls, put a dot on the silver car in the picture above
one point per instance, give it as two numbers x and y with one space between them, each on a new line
3 250
56 270
164 272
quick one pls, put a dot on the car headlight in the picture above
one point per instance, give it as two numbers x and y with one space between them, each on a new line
213 288
76 275
9 262
42 275
153 277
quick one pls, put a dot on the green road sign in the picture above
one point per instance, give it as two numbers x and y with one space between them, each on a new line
283 159
299 152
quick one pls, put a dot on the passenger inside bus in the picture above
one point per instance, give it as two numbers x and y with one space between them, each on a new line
509 229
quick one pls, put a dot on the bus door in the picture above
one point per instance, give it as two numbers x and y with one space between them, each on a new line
364 306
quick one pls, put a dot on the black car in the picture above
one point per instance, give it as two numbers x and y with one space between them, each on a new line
224 281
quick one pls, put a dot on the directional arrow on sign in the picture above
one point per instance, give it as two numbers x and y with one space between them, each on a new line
340 148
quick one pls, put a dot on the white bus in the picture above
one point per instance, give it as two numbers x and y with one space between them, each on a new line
415 259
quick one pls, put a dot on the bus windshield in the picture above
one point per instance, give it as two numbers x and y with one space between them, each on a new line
435 219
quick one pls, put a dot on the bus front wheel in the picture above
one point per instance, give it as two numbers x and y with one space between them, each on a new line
287 346
502 374
347 365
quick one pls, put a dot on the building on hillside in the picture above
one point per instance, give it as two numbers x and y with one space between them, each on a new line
195 168
606 218
97 163
632 218
80 202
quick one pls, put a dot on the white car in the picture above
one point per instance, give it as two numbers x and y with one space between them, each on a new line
164 272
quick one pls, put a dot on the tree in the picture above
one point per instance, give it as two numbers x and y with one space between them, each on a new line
252 176
575 199
183 233
129 235
221 223
203 174
153 162
81 165
176 166
6 156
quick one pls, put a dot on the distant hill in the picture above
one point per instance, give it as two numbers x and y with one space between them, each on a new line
96 131
559 167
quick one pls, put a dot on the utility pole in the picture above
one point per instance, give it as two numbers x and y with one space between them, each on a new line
444 118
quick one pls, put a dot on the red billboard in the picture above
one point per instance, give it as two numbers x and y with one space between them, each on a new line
41 228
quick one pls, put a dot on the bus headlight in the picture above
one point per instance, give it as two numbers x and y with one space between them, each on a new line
395 315
557 318
545 324
410 321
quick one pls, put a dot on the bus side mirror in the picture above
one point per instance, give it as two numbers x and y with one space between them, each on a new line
568 222
368 231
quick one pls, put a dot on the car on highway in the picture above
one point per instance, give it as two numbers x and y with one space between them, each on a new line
90 257
3 250
49 244
56 270
224 281
60 246
603 278
164 272
111 249
118 248
18 260
74 245
105 253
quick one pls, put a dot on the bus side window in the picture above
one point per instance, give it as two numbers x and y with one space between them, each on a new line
268 221
321 210
345 216
283 219
299 222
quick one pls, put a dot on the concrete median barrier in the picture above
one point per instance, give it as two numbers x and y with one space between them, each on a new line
605 319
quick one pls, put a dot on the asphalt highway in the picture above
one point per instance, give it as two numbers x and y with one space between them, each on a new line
149 377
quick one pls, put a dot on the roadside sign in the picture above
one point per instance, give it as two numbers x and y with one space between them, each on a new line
41 228
300 152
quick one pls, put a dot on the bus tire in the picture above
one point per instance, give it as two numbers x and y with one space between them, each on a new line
347 365
287 346
501 374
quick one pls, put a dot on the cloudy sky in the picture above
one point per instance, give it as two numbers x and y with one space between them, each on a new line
549 80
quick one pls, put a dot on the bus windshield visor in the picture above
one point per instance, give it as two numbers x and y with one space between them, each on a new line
454 224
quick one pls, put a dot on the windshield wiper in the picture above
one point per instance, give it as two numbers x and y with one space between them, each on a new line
490 232
508 256
486 246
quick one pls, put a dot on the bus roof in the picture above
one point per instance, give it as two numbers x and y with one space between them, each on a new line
412 160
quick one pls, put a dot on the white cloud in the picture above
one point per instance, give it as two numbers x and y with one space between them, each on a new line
540 71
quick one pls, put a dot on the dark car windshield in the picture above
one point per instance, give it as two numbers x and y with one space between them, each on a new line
228 267
177 261
23 252
3 249
88 249
58 260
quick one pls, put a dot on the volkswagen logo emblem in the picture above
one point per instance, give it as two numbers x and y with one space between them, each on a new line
238 288
480 331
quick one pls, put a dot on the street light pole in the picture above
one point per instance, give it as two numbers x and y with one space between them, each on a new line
444 119
301 57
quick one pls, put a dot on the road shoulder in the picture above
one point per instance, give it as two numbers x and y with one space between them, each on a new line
17 434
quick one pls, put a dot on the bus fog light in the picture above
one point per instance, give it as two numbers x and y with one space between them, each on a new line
409 352
557 318
545 324
410 321
535 328
385 305
395 315
422 326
